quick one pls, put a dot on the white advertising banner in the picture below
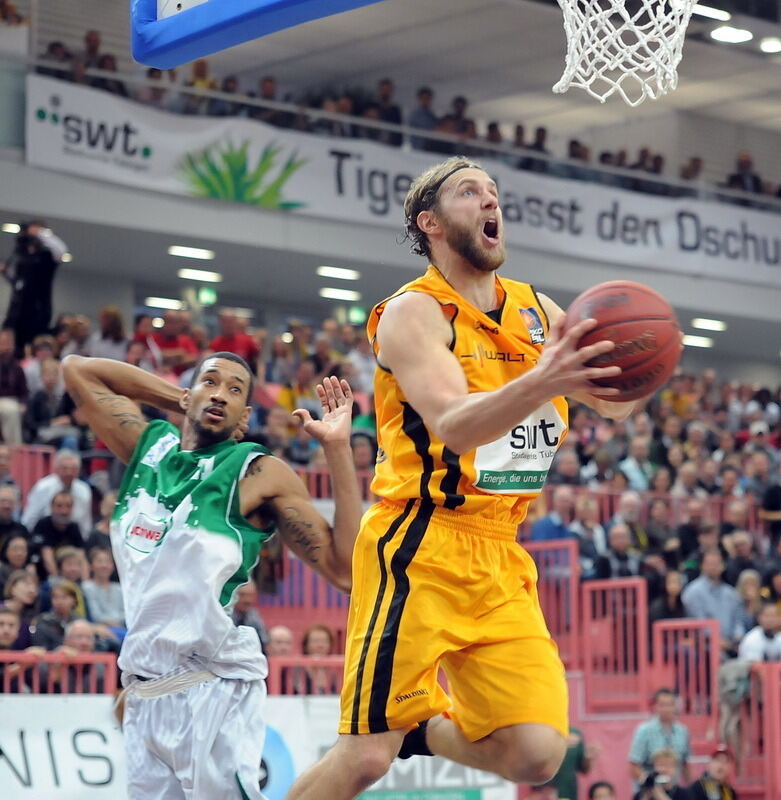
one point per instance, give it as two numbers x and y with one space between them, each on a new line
69 747
98 135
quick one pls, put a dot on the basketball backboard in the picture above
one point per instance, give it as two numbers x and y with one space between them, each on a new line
169 33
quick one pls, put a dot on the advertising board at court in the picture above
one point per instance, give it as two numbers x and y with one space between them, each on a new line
69 747
86 132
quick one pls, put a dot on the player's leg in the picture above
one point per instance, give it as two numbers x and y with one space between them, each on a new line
149 777
508 688
350 767
391 654
225 740
525 753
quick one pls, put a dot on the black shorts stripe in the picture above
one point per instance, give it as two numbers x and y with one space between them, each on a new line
449 485
383 541
383 668
415 428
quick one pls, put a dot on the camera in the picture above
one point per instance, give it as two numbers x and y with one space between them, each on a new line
655 779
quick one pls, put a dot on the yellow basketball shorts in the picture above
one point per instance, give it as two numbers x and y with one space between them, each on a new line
434 588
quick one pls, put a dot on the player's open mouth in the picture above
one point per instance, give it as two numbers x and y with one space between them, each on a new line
215 413
491 231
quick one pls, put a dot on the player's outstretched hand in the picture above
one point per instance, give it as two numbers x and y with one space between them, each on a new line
566 365
336 397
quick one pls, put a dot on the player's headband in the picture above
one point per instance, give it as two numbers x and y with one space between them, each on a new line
432 191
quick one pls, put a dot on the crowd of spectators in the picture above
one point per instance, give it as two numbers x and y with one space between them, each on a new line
9 14
358 108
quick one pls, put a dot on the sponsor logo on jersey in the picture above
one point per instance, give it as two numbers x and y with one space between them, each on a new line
145 533
531 319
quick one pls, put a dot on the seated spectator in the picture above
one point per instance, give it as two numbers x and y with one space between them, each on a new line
736 516
660 534
364 452
687 482
662 782
43 351
46 420
708 597
555 525
57 530
601 790
388 112
423 118
245 612
566 469
662 731
772 588
233 340
13 390
763 642
619 561
275 434
50 627
21 596
324 357
14 556
9 501
742 558
715 779
280 641
10 627
144 333
301 447
102 594
67 465
101 535
669 605
226 108
60 59
628 512
178 350
90 55
71 566
762 476
300 393
267 90
709 477
155 96
319 640
110 341
707 539
744 178
669 435
636 466
592 541
688 531
108 63
79 640
195 102
749 589
770 512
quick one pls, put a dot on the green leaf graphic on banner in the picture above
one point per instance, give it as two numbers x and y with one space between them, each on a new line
225 173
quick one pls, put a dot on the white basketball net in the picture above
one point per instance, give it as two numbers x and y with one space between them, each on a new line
632 47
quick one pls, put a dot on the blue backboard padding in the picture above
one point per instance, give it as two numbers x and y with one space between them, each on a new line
217 25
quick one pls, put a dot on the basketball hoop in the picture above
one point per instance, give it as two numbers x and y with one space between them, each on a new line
632 47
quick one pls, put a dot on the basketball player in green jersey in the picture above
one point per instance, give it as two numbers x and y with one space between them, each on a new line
192 512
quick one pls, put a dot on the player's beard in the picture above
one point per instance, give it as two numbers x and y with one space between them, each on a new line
209 436
467 244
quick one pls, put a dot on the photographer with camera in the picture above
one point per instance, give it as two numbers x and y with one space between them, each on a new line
661 783
30 270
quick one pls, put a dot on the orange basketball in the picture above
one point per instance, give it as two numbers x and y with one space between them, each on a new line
643 326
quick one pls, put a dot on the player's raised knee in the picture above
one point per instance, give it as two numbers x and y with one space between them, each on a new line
531 754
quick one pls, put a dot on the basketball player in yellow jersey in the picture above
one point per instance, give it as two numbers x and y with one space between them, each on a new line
469 391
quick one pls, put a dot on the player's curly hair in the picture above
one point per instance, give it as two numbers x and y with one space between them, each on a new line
424 195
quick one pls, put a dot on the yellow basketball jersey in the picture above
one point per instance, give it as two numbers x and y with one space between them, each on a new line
498 479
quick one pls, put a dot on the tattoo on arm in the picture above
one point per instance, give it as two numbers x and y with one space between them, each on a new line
119 408
300 532
255 468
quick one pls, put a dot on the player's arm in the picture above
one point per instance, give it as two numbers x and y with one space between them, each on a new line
605 408
414 339
271 483
107 393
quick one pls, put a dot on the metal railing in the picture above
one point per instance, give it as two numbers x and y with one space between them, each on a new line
305 119
25 672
